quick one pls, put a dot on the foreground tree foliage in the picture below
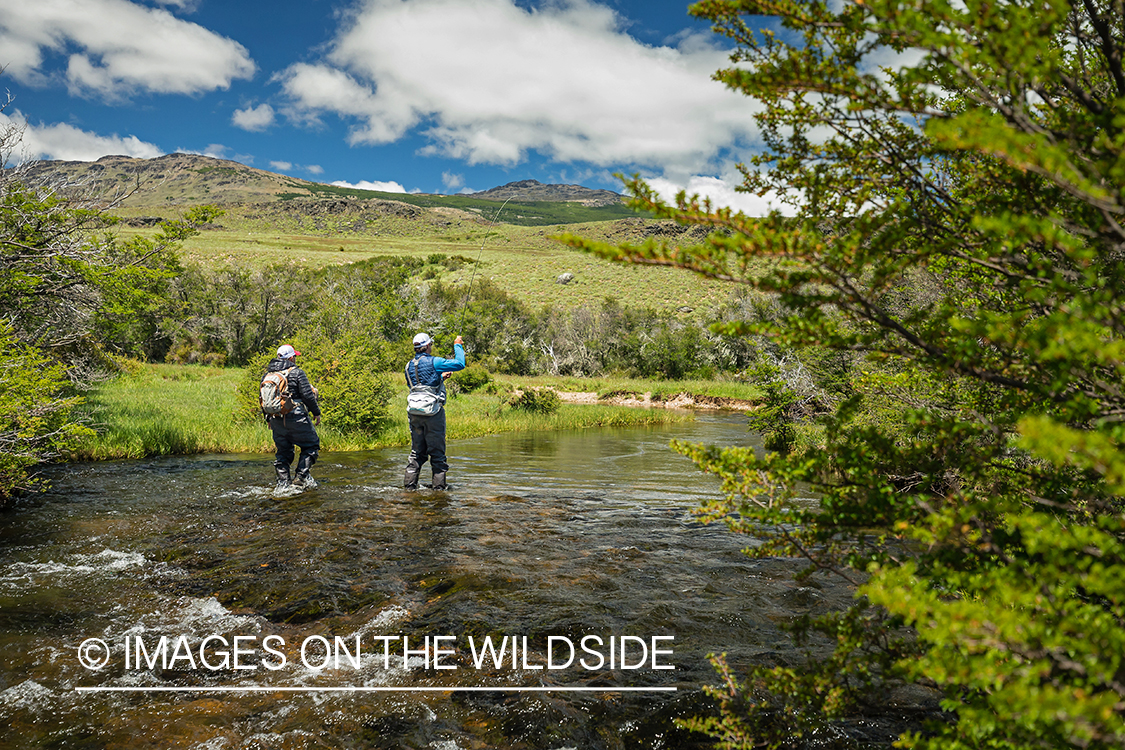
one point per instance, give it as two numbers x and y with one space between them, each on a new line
955 173
73 289
36 400
72 297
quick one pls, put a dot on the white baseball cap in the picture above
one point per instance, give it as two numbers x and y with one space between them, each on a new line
422 340
287 352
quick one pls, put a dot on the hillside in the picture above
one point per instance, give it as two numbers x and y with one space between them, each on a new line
145 186
533 190
270 218
170 180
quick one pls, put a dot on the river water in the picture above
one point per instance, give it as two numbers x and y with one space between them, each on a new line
357 615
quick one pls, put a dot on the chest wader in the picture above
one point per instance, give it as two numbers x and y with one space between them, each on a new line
290 431
427 440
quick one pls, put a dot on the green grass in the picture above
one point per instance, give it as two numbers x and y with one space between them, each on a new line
168 409
524 261
190 409
735 390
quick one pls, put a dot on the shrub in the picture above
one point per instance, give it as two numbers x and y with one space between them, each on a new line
353 391
36 402
774 418
536 401
471 378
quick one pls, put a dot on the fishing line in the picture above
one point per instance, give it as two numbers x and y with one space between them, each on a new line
469 294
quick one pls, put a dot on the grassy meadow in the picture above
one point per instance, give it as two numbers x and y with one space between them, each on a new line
160 409
524 261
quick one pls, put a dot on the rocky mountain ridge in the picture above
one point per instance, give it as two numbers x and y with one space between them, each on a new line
187 179
172 179
533 190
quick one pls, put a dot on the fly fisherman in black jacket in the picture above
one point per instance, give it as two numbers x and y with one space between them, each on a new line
292 425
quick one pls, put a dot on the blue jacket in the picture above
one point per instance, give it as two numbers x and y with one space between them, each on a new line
426 369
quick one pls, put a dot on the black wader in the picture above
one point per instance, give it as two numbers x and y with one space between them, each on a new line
427 442
294 429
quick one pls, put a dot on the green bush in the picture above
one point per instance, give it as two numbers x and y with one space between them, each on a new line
774 418
348 373
536 401
36 402
472 378
955 244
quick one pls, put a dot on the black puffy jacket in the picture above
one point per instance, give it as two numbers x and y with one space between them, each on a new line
299 387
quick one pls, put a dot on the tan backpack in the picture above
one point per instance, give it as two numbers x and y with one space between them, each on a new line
275 393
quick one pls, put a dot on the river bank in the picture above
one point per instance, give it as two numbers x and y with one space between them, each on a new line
159 410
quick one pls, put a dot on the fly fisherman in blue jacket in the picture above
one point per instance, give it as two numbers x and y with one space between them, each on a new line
426 374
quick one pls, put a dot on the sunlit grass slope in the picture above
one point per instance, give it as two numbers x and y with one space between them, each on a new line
524 261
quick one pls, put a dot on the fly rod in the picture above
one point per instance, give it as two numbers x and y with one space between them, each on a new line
469 294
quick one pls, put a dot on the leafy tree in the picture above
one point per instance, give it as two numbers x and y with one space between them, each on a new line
367 297
45 269
36 400
495 325
955 179
68 286
71 296
227 315
133 279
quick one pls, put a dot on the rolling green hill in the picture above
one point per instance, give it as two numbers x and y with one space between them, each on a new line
273 218
177 180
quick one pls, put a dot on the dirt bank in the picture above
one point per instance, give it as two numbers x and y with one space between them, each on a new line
662 400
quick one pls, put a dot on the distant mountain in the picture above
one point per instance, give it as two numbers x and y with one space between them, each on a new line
173 179
154 188
533 190
178 179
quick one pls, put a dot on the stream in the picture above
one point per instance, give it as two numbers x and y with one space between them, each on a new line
560 595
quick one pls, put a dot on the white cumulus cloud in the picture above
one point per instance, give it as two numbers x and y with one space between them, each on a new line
283 166
489 81
117 47
383 187
452 181
254 118
68 143
720 190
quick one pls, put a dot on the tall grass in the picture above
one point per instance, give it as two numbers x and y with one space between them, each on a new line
187 409
168 409
607 385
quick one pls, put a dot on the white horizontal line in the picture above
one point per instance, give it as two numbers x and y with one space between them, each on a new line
362 689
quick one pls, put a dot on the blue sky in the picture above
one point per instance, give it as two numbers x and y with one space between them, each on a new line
437 96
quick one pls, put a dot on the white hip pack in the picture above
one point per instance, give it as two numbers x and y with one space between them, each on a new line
423 401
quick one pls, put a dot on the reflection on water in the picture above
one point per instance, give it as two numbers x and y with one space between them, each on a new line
543 539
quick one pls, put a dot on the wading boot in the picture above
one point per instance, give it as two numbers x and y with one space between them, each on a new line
283 482
304 465
439 480
410 479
